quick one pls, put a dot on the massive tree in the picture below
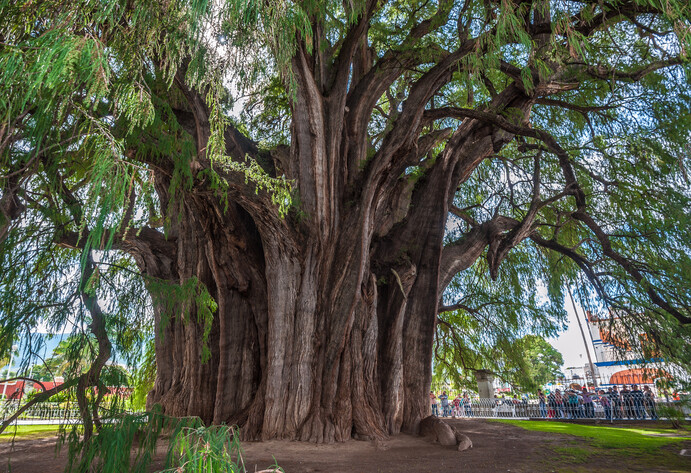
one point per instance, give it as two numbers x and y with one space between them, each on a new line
296 255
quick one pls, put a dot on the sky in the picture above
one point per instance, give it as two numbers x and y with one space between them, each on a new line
570 342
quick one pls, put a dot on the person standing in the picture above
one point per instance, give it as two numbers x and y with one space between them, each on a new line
637 402
552 403
649 401
627 401
573 405
588 404
560 404
433 402
615 400
542 402
606 403
457 406
517 406
466 405
444 398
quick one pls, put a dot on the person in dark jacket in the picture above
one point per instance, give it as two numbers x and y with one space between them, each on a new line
649 402
637 402
615 401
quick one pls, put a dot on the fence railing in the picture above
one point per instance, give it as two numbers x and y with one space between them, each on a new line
45 411
492 408
476 408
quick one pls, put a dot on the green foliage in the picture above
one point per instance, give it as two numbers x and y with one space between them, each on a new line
70 358
143 378
207 449
111 450
128 443
190 297
542 362
100 143
500 325
676 412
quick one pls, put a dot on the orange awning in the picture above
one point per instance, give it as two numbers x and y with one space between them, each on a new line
638 376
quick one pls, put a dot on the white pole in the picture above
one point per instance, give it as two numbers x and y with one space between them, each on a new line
585 343
9 368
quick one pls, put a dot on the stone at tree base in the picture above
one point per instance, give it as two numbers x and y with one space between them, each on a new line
464 442
438 431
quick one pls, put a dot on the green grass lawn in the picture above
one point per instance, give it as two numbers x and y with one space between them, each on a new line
602 448
28 432
609 437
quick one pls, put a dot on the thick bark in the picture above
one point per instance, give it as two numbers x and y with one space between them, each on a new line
325 320
323 332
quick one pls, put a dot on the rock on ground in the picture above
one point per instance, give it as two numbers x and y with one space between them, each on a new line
437 431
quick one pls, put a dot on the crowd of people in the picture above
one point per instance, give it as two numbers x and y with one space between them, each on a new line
614 403
456 407
626 403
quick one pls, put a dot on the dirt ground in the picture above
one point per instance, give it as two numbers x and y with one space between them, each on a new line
496 448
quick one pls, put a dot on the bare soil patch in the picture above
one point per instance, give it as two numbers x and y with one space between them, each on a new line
497 447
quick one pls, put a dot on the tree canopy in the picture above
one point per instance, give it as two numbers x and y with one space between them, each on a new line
526 363
285 195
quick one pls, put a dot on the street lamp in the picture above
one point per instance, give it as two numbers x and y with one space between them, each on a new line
9 368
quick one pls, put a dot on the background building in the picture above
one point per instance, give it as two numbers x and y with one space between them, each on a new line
619 357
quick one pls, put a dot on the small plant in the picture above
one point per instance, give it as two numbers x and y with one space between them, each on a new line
214 449
675 412
128 442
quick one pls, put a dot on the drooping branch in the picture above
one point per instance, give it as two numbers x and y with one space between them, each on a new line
587 268
23 378
635 75
44 396
462 253
629 267
582 109
581 261
501 122
196 120
572 188
499 248
98 328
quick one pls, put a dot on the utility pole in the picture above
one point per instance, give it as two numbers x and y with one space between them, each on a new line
9 369
585 343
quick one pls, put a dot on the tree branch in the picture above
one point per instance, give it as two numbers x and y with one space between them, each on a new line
44 396
462 253
4 381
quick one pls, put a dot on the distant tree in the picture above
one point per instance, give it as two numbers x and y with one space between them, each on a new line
525 362
71 357
542 363
5 360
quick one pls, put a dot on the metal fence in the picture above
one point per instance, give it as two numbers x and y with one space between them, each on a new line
45 411
50 412
526 409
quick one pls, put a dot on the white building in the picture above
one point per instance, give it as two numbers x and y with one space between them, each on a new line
621 358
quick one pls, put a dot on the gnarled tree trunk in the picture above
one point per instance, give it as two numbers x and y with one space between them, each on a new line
325 320
324 328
